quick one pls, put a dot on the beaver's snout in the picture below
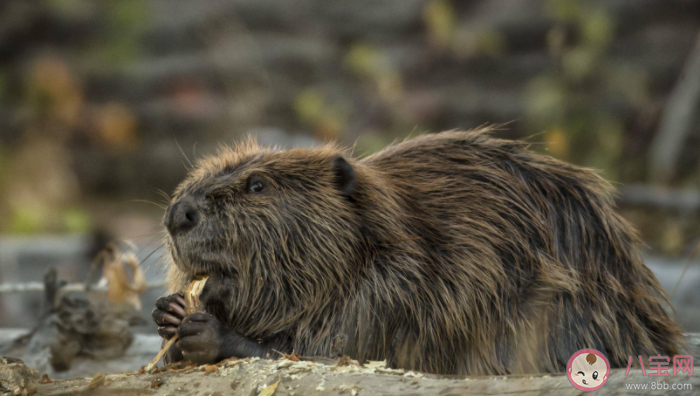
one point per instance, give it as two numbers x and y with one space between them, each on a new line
182 216
198 244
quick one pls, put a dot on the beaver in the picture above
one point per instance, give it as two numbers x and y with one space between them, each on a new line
453 253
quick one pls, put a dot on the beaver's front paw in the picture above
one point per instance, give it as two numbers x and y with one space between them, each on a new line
199 338
168 314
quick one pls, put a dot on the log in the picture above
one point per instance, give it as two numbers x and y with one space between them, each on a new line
321 376
253 376
294 375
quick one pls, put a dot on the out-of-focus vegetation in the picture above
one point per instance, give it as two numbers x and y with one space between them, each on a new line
98 98
48 111
560 103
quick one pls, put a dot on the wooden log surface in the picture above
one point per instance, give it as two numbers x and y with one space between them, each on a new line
322 376
252 377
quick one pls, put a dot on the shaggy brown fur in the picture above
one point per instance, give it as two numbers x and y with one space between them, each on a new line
448 253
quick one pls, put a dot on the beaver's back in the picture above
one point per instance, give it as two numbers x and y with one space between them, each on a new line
539 236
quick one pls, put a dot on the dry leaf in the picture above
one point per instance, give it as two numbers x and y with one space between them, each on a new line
97 381
270 390
210 368
177 367
292 356
116 126
156 383
117 265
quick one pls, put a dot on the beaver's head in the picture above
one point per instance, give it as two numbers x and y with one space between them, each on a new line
268 219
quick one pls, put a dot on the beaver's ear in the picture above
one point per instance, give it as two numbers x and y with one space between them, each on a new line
344 175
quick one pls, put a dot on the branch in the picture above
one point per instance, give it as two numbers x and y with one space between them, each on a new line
664 198
677 120
71 287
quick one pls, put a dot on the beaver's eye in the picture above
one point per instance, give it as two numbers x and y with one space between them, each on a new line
256 186
595 375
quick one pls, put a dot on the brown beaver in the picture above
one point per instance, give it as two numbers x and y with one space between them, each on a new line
448 253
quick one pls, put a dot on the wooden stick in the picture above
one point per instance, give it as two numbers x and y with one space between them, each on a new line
160 354
192 299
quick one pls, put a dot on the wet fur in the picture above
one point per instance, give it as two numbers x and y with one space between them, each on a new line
452 253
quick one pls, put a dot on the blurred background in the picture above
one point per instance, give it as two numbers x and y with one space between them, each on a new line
104 103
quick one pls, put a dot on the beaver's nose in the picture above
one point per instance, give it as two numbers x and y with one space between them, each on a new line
181 216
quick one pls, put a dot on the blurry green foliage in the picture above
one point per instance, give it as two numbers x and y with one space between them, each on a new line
70 8
440 21
564 10
127 21
371 142
326 119
3 86
381 79
120 40
546 101
484 41
32 220
597 29
569 104
376 69
130 15
308 105
53 90
630 83
26 221
3 169
362 59
442 27
76 220
578 63
610 136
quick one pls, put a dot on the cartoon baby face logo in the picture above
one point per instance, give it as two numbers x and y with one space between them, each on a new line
588 369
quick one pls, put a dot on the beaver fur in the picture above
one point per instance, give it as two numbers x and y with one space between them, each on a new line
454 253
